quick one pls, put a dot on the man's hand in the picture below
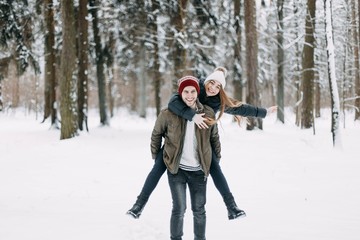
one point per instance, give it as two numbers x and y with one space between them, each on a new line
199 121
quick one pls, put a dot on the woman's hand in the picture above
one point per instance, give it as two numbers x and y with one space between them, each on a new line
272 109
199 120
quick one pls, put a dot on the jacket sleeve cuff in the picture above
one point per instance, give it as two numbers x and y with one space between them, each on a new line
261 112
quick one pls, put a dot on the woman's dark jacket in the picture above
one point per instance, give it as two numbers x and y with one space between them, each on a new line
177 106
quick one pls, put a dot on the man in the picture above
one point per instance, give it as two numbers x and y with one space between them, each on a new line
187 155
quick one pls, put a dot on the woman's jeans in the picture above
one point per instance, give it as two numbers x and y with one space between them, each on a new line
154 175
159 168
197 187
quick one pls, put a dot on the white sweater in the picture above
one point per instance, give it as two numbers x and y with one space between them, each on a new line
189 157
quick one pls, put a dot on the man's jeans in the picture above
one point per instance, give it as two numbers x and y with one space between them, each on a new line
197 186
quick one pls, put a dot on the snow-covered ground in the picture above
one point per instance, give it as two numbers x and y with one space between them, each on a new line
293 185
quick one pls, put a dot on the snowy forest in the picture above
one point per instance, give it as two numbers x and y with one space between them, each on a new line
59 59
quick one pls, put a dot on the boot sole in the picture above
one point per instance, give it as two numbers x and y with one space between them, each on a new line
132 214
232 217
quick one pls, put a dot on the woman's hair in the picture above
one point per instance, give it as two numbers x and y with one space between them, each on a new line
210 121
226 101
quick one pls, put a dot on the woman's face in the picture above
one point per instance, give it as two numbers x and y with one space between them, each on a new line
212 88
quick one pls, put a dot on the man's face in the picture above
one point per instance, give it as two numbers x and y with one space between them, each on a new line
189 96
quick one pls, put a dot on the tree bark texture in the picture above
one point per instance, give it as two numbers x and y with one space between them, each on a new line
237 82
334 93
99 64
280 62
156 68
180 37
82 87
110 52
251 60
297 81
50 108
307 116
68 110
356 55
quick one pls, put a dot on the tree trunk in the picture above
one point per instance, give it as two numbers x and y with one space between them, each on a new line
317 94
1 102
180 36
83 65
153 25
251 60
335 100
50 108
345 68
141 69
110 50
357 64
237 82
4 66
15 79
99 64
296 79
280 62
307 116
68 60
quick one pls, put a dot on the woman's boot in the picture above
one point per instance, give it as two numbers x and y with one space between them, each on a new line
138 207
233 211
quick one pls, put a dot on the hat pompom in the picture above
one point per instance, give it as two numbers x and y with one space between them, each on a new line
224 70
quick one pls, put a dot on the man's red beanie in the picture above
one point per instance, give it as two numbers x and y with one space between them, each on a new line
188 81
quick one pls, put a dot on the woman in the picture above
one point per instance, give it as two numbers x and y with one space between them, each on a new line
212 94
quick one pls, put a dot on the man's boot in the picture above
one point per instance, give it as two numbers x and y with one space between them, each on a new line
138 207
233 211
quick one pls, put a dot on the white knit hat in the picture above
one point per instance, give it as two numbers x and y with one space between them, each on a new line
219 75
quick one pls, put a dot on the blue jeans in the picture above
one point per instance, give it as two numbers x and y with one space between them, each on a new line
159 168
197 187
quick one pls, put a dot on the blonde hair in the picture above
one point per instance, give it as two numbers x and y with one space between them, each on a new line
210 121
